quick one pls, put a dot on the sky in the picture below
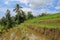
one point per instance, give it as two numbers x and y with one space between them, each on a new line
36 6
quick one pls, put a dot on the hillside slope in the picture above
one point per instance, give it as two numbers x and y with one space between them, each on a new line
48 26
40 28
51 20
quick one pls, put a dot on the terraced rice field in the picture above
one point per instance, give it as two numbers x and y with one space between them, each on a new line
41 28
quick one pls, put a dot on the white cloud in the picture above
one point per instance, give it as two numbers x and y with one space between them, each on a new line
57 7
26 9
24 1
34 12
34 3
12 12
6 2
45 10
4 11
37 12
21 1
39 3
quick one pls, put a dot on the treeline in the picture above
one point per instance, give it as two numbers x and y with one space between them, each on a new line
9 21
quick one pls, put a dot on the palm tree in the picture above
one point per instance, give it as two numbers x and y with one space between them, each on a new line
18 15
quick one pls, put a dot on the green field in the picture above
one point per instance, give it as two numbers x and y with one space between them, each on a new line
46 23
50 20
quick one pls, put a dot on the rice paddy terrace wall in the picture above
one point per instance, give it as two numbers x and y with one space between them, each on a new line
51 33
45 33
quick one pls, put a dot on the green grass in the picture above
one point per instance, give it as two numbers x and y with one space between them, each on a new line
47 17
1 27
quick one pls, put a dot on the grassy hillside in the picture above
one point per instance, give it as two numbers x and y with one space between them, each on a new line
51 20
45 27
48 26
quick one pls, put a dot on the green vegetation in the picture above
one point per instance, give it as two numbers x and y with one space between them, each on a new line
30 16
19 16
39 21
9 21
22 21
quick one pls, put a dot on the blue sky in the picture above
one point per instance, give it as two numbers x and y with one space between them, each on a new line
36 6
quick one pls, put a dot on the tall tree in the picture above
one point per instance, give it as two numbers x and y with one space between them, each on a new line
8 18
23 15
18 10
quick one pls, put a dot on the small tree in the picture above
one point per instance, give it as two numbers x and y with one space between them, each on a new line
43 14
30 16
13 20
3 21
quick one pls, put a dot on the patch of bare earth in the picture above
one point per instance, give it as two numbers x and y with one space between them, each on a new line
44 33
31 36
35 33
12 34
